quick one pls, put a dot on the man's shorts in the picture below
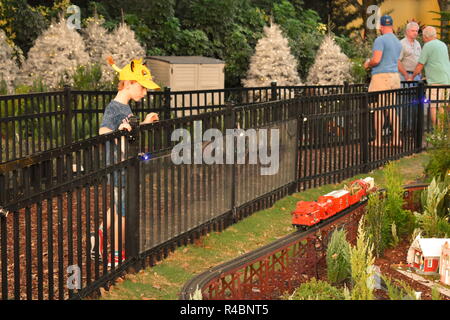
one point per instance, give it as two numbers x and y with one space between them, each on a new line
384 81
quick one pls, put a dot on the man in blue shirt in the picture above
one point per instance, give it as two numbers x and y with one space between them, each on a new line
384 63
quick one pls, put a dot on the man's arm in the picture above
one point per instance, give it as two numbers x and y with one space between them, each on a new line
375 60
402 70
417 71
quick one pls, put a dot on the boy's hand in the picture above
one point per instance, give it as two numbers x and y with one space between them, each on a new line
151 117
125 125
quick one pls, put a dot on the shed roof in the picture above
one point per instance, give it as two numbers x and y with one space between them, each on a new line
187 59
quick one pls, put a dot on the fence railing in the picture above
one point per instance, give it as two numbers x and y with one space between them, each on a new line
54 202
37 122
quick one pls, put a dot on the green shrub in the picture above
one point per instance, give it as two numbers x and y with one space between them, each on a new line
3 85
434 220
403 219
377 224
338 257
317 290
90 78
435 294
361 261
439 139
399 290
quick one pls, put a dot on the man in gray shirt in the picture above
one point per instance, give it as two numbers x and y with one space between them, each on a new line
410 54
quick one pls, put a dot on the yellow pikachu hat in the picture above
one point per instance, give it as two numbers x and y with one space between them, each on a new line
135 70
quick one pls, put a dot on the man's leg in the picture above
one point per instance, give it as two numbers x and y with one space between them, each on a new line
377 84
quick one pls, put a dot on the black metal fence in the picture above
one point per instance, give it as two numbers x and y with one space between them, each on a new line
37 122
54 201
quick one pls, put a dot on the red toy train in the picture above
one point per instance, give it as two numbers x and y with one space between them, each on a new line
309 213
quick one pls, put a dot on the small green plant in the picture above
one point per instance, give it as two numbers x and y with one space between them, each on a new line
395 239
317 290
376 224
434 220
197 294
403 219
362 260
399 290
435 294
338 257
439 139
89 78
3 85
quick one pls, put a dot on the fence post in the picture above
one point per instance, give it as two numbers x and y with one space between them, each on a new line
68 114
230 123
346 87
166 103
298 142
365 128
132 226
420 115
273 91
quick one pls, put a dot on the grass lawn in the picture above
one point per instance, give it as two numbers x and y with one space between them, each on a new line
165 280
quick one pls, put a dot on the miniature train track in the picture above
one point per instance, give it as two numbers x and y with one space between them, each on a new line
205 278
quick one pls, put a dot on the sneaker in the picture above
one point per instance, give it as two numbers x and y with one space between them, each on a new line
94 244
116 259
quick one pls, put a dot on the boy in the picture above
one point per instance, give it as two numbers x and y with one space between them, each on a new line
134 80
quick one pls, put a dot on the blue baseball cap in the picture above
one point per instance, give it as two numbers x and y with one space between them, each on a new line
386 21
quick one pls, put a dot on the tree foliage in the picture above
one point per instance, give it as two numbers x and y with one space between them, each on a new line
55 56
331 65
226 29
272 61
361 261
9 67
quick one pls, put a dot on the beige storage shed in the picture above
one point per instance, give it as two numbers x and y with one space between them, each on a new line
187 73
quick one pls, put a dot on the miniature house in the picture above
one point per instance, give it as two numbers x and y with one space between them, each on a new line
425 254
444 267
188 73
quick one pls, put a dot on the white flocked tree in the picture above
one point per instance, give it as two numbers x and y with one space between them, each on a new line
331 65
9 69
272 61
123 46
97 39
55 56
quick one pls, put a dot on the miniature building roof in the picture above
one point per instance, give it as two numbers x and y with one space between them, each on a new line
187 59
432 247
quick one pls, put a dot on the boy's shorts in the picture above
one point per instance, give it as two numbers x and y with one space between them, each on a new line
119 200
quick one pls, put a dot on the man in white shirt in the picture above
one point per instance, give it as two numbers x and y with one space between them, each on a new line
410 54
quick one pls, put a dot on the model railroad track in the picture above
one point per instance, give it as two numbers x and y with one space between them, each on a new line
204 279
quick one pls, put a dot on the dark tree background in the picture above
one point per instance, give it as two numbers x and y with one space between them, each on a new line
226 29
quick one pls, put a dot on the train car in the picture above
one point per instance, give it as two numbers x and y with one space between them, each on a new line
309 213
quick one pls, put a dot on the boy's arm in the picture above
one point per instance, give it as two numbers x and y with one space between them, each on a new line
123 126
104 130
151 117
